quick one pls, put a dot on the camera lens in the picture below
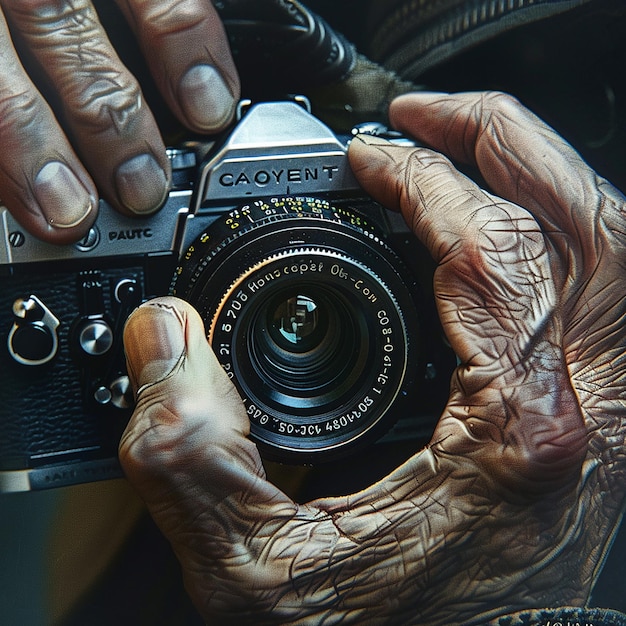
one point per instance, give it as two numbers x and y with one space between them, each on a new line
305 353
309 313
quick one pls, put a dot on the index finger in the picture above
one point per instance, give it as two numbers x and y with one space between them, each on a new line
43 183
187 51
521 158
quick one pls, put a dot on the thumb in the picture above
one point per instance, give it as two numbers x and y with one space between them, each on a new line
189 428
186 452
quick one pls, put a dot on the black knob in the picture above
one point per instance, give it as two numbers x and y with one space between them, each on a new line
31 344
33 338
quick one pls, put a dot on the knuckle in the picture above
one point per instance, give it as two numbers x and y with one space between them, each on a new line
85 82
511 241
29 7
107 101
19 109
95 90
150 443
499 102
496 109
101 93
45 19
133 456
161 19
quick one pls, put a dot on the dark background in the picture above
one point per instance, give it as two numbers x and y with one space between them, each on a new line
569 68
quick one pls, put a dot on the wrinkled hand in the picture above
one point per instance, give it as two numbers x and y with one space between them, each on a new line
89 128
513 503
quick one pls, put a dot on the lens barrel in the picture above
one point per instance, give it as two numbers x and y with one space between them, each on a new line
313 317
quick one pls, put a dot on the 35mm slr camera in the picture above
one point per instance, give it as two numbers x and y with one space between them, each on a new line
315 300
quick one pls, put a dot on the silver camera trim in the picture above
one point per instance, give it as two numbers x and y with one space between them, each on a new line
278 148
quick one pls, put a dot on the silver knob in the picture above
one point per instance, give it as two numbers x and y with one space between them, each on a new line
102 395
95 337
122 393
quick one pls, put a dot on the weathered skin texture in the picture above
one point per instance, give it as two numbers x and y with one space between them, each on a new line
514 502
73 120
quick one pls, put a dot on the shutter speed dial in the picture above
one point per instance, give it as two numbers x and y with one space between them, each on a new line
33 338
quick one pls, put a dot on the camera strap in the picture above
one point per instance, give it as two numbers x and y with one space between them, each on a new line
280 46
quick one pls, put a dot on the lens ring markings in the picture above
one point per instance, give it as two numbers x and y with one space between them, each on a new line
303 253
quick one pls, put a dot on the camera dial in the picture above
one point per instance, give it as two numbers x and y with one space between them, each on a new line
313 317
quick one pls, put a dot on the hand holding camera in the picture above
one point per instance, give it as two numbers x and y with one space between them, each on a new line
318 310
529 287
315 302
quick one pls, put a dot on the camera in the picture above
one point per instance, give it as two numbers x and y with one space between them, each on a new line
315 300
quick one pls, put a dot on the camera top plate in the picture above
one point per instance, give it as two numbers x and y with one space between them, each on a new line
278 148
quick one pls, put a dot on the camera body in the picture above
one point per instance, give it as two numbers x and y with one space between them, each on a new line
315 300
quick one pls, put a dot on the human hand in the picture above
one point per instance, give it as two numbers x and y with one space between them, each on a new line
75 122
513 503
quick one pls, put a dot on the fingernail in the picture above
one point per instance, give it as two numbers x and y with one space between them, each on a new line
64 201
155 343
141 184
205 98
